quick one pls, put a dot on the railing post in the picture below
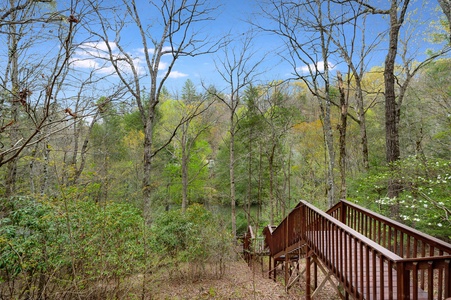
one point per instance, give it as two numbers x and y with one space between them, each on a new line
343 212
447 278
308 290
270 266
303 221
403 278
286 248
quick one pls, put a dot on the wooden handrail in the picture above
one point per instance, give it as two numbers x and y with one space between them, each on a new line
395 236
288 233
354 234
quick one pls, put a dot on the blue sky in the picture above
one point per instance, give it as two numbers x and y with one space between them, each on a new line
231 18
235 13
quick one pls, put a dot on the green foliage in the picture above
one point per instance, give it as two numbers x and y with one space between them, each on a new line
423 204
132 121
195 236
31 240
49 243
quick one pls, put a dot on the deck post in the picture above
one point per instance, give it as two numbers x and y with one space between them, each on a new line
315 274
403 278
286 248
448 279
275 269
308 291
269 266
343 213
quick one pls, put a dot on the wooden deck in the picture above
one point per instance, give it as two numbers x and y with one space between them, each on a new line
372 257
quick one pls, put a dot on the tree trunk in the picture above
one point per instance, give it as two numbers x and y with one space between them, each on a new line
342 139
391 109
362 125
327 125
147 161
271 186
249 177
232 177
446 8
185 162
11 173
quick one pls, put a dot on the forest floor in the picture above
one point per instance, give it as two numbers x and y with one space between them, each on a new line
239 281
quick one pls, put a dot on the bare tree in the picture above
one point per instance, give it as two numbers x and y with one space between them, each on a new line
170 34
33 77
304 27
396 85
238 69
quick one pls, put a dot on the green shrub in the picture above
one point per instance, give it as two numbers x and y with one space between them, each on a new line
60 245
195 237
424 201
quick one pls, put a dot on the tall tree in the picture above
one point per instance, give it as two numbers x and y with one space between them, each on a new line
170 34
304 27
395 89
32 78
237 68
189 150
279 117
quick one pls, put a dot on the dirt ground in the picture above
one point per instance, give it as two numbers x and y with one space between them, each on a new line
239 282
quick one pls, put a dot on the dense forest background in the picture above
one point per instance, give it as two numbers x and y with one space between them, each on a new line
108 176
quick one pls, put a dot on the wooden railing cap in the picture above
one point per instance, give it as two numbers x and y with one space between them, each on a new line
378 248
411 231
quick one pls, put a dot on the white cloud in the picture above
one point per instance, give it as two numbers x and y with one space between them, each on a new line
177 74
101 46
85 63
95 55
319 66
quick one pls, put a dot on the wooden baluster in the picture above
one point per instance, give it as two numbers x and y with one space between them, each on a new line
362 261
356 262
395 242
379 233
389 239
423 254
341 257
415 248
440 278
415 281
430 272
401 244
381 277
408 247
390 280
447 275
373 262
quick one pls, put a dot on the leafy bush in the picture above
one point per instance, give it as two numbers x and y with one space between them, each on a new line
195 237
60 246
424 202
31 242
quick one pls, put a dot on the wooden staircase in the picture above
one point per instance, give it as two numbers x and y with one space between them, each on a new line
368 255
